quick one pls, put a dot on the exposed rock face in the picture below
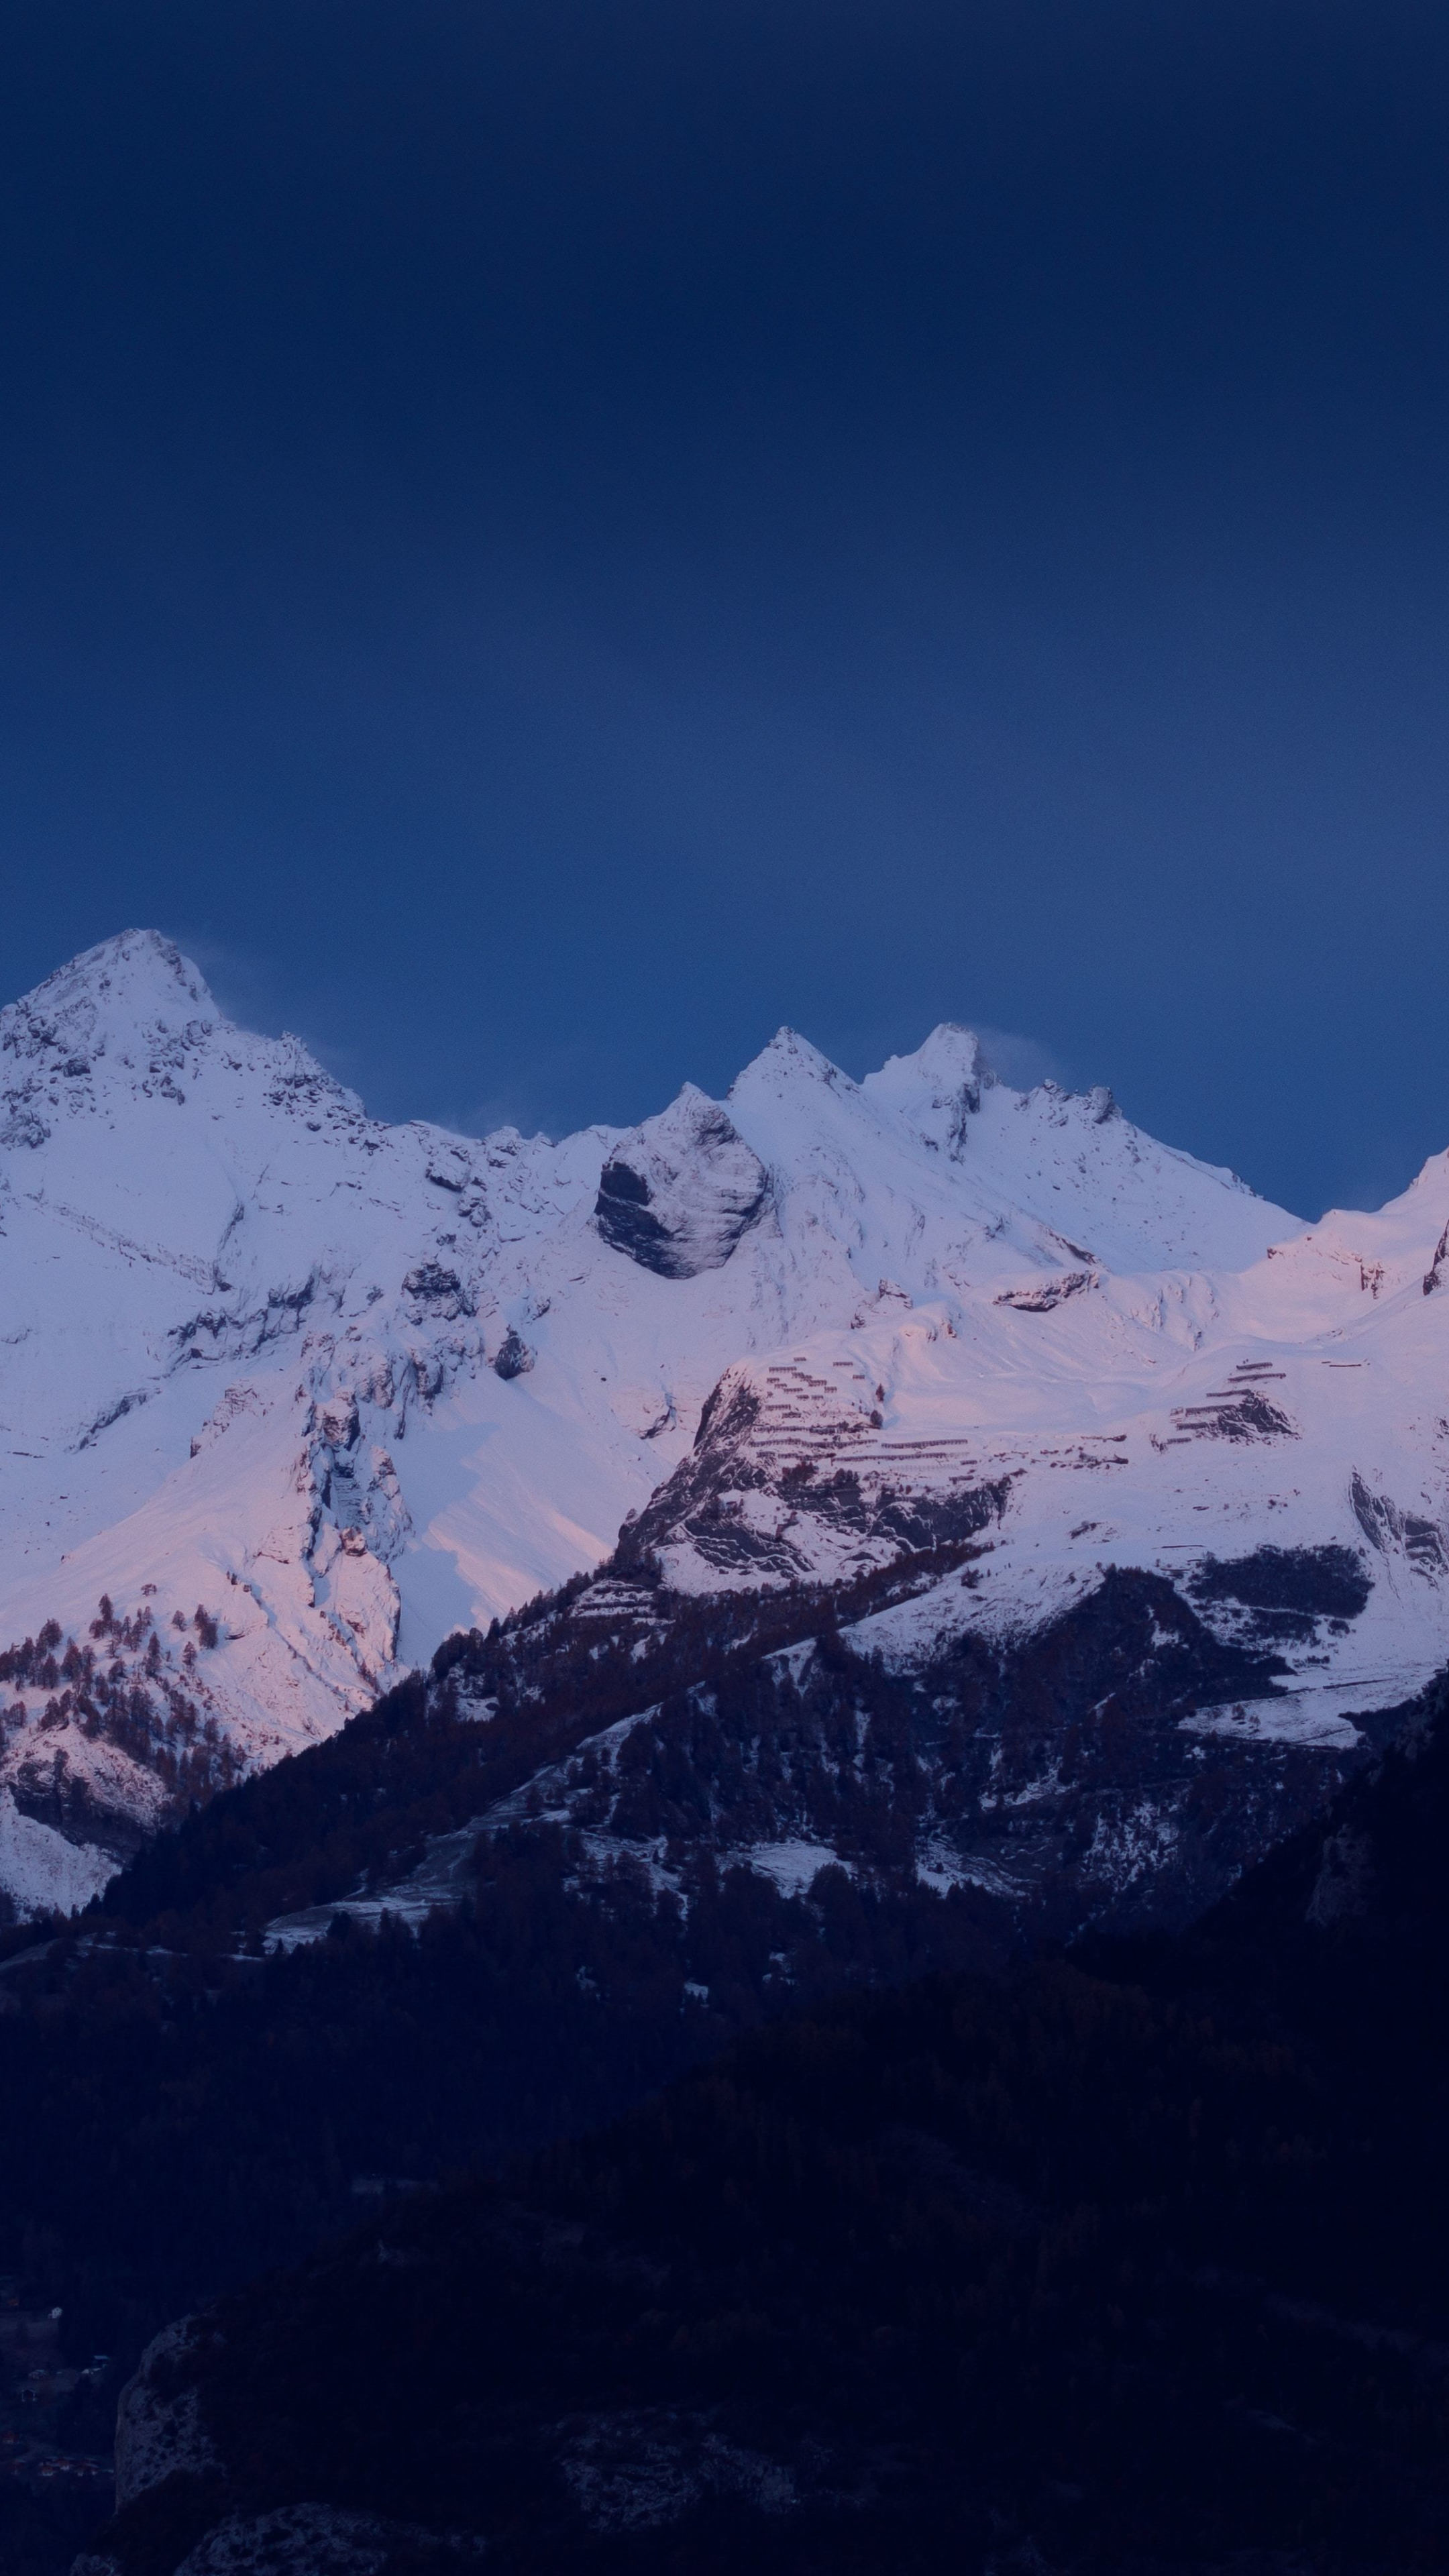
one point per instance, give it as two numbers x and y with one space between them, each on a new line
642 2468
312 2540
784 1482
1384 1525
159 2428
678 1194
321 2540
1041 1300
515 1359
436 1293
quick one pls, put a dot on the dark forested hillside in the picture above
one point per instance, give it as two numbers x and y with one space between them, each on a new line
1100 1765
200 2103
494 1711
1139 2269
203 2099
190 2119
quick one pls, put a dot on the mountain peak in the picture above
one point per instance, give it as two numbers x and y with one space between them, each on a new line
789 1059
134 981
938 1088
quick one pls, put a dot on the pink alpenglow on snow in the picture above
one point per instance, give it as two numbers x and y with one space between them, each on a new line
251 1393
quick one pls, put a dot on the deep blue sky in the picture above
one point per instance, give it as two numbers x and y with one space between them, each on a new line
544 537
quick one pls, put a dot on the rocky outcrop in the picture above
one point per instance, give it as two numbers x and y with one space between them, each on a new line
433 1294
514 1358
159 2429
787 1482
679 1194
1041 1300
308 2540
642 2468
323 2540
1385 1526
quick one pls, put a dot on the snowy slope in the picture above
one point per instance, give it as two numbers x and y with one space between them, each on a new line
338 1387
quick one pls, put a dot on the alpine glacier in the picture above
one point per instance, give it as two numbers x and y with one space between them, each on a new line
287 1394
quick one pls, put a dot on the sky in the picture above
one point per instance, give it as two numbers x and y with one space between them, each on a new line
543 538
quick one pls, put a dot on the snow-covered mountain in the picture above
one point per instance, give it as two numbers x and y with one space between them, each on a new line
287 1394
